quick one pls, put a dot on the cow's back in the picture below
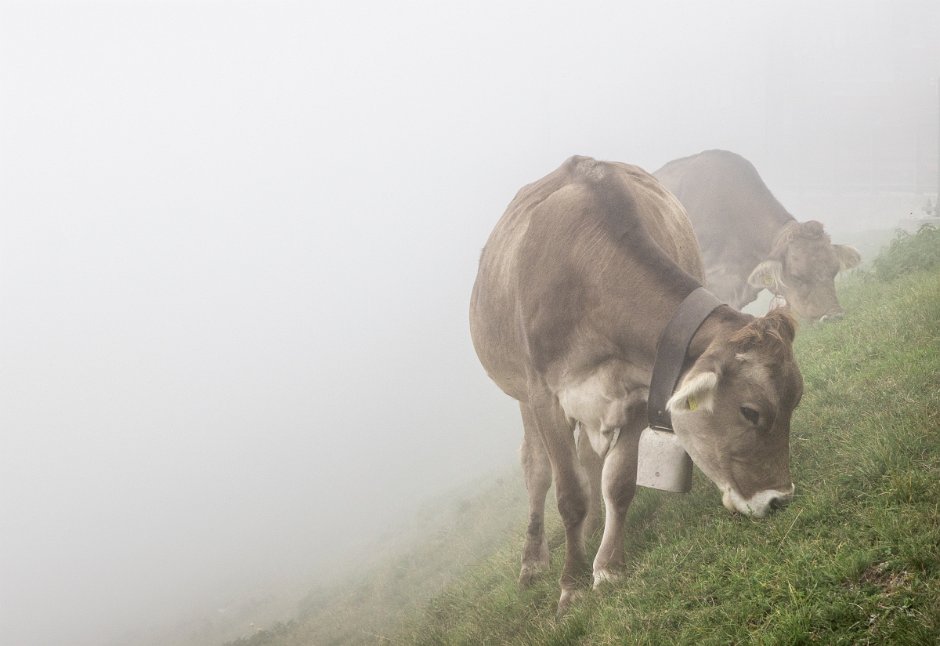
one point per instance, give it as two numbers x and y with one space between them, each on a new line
718 188
735 216
585 233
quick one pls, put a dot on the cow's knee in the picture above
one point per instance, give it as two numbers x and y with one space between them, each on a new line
619 496
536 525
573 508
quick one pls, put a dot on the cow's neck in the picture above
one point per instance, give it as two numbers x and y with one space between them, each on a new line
639 311
782 220
723 321
639 299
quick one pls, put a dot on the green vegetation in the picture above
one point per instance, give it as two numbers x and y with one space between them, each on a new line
854 560
908 253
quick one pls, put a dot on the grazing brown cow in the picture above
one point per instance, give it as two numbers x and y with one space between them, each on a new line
576 284
750 242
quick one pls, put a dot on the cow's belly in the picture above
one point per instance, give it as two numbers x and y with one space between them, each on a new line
512 382
499 349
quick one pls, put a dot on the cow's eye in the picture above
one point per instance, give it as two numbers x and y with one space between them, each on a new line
750 414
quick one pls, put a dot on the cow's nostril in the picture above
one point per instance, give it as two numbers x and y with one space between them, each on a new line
778 502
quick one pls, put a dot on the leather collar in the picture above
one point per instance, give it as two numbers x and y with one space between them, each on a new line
670 353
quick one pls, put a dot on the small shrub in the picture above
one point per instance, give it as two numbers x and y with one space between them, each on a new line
908 253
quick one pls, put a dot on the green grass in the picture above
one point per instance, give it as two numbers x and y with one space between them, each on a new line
855 559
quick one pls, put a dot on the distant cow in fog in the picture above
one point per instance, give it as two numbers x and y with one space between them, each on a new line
750 242
577 282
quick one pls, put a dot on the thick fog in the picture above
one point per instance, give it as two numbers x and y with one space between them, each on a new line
237 242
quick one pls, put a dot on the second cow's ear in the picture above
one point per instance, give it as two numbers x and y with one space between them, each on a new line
849 257
767 275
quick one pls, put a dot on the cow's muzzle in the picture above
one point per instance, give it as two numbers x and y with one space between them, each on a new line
760 504
834 315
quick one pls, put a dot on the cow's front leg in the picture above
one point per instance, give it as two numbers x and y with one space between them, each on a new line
592 464
618 482
571 490
537 471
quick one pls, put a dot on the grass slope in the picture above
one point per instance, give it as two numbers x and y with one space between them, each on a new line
403 570
854 560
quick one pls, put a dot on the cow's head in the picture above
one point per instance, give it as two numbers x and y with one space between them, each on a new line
732 409
802 268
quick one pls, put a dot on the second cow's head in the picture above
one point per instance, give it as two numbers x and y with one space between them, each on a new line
802 268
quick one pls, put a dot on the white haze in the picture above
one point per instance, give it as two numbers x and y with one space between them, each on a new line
237 242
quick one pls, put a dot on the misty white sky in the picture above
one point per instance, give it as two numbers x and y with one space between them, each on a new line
237 241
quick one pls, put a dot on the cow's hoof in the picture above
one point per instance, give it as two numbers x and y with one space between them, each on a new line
528 574
534 563
567 599
605 575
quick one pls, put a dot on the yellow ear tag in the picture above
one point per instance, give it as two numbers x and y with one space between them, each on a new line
693 403
768 281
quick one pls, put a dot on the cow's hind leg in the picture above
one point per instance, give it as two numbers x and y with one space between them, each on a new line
537 471
618 482
571 490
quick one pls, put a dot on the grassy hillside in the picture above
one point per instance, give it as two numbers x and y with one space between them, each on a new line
854 560
393 581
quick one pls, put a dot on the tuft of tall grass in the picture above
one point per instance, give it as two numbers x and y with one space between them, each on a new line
907 253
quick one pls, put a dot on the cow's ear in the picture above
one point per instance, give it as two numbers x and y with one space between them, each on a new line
849 257
767 275
697 391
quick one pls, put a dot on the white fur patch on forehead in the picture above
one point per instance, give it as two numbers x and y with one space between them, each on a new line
695 392
752 367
